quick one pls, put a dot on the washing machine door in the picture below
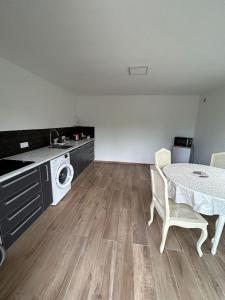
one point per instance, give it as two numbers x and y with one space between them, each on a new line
64 175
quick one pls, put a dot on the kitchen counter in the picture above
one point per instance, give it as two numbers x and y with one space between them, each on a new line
40 156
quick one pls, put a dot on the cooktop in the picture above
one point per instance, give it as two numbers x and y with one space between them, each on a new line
9 165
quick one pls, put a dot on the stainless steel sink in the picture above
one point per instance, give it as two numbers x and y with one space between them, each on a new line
55 146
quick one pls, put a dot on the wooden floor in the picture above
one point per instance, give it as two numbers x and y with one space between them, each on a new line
95 245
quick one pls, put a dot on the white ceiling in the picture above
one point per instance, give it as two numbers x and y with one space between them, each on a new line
87 46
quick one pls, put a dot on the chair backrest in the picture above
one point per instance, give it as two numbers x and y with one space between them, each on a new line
218 160
160 192
163 158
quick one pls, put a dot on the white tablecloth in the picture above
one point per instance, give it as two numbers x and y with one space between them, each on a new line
205 195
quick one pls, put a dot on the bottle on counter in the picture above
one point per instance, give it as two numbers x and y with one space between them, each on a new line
83 136
76 137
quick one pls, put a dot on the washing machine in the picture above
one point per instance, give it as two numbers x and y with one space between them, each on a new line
62 175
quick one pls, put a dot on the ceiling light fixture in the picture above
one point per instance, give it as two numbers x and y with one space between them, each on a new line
138 70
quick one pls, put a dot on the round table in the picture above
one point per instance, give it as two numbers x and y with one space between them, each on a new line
205 194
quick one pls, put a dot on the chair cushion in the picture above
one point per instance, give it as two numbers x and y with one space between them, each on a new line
183 212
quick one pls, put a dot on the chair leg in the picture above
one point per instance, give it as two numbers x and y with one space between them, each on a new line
152 206
164 236
201 240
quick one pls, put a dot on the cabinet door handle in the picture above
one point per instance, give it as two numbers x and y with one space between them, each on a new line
23 208
21 225
21 194
18 179
47 173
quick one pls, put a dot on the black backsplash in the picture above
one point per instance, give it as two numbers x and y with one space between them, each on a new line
37 138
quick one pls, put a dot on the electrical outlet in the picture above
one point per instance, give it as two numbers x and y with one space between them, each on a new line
24 145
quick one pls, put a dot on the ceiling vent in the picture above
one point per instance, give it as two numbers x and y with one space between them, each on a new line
138 70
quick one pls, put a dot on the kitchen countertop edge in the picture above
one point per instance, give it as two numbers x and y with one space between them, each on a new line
43 155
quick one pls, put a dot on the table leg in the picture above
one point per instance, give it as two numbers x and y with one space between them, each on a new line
212 240
219 228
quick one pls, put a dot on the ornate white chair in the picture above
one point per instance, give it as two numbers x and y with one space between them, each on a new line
162 158
218 160
173 214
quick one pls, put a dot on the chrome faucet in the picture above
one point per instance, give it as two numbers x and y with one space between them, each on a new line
50 135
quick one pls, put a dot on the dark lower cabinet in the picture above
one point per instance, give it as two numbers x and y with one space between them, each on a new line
20 204
88 154
81 157
75 157
23 198
46 185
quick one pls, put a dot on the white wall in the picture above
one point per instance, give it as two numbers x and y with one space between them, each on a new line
132 128
128 128
210 126
27 101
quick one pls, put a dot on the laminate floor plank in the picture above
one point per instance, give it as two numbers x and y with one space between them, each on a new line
138 219
80 282
109 273
165 282
106 198
144 286
112 220
123 287
185 277
146 195
52 260
71 214
125 177
127 198
134 177
207 280
106 176
145 189
86 212
116 182
103 275
216 265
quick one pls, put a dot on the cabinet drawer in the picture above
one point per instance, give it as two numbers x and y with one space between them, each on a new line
89 145
20 214
90 157
15 201
89 151
15 232
13 185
